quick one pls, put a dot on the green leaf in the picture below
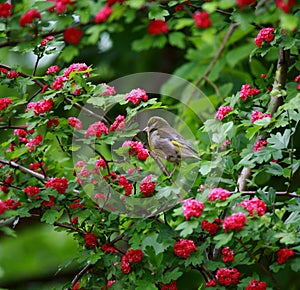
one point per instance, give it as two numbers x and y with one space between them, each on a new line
177 39
50 216
145 285
263 122
151 241
280 141
187 227
223 239
295 264
274 169
158 13
171 275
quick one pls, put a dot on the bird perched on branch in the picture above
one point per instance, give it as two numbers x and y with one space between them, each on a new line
167 143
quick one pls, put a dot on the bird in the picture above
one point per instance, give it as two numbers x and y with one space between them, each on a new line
167 143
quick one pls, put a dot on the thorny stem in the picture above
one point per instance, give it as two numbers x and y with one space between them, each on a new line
261 265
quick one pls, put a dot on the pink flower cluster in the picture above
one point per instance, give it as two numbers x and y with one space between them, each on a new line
60 5
147 187
52 69
184 247
297 80
31 190
283 255
245 2
285 5
157 27
258 145
75 122
202 19
28 17
227 276
192 207
218 193
8 204
123 181
45 40
257 115
91 240
254 205
246 91
109 91
136 96
7 183
103 14
72 35
137 148
4 102
40 107
118 124
58 183
265 34
228 255
5 9
96 129
32 143
132 256
170 286
211 228
234 222
256 285
222 112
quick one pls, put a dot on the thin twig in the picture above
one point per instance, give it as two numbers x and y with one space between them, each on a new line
261 265
81 273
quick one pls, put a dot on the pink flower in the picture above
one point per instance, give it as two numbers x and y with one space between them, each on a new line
58 183
91 240
40 107
247 91
4 102
12 74
222 112
147 187
52 123
58 82
285 5
245 2
258 145
234 222
254 205
132 256
34 142
202 19
225 144
265 34
76 67
5 9
72 35
60 5
109 91
100 162
157 27
211 227
103 14
283 255
75 122
227 277
96 129
137 148
118 124
136 95
123 181
218 193
192 207
256 115
52 69
170 286
256 285
31 190
28 17
211 283
228 255
184 247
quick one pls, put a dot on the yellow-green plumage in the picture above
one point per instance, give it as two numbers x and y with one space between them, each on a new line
167 142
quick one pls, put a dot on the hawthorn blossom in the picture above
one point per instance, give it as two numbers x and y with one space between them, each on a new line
137 148
192 207
5 9
157 27
96 129
28 17
40 107
103 14
91 240
257 115
4 102
118 124
184 247
227 277
234 222
58 183
218 193
222 112
247 91
75 122
258 145
147 187
254 205
283 255
52 69
136 96
265 34
72 35
202 19
256 285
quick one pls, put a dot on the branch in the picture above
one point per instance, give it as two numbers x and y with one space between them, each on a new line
275 102
81 273
23 169
279 193
262 266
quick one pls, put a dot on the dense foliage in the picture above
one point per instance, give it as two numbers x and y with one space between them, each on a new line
74 152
